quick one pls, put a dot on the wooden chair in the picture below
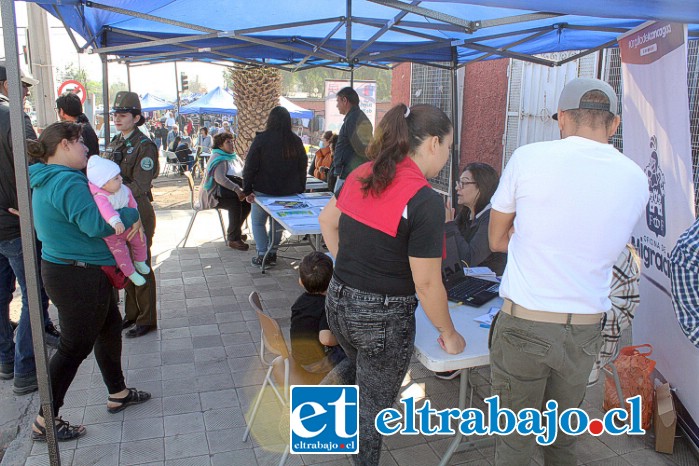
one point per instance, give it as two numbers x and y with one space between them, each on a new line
196 207
283 371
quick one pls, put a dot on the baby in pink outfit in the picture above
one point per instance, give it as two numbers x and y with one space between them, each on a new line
110 196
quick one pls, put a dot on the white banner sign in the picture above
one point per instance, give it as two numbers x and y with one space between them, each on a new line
656 135
367 102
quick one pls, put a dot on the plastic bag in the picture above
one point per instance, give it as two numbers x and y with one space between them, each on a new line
635 369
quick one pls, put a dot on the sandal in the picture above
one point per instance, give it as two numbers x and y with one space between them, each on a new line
64 431
133 398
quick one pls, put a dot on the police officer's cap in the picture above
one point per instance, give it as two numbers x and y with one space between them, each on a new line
128 102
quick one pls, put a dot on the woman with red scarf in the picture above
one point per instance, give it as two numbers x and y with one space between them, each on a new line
386 233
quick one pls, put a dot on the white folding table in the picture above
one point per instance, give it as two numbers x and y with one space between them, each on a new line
476 353
298 221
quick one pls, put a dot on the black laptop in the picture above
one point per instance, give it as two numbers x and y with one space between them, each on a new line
471 291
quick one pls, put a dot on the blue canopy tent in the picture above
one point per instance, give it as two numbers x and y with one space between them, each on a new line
294 110
151 103
216 101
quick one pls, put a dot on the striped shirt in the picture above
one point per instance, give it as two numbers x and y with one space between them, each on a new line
684 268
624 296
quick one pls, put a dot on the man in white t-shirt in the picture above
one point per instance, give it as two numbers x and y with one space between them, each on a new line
563 212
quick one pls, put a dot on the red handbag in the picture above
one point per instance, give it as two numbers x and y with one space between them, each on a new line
115 275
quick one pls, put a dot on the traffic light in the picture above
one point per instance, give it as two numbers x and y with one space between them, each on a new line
184 81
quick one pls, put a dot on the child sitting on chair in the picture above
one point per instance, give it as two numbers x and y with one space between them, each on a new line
313 345
111 195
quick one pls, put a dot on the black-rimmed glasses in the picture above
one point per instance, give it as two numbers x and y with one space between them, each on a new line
460 184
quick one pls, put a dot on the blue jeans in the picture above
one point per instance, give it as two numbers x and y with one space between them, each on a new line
20 353
260 231
377 333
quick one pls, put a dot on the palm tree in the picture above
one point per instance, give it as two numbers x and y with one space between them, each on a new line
256 91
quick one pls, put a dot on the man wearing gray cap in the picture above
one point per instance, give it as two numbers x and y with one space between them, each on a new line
16 357
563 212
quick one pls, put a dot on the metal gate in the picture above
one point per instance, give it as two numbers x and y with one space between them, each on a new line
431 85
533 96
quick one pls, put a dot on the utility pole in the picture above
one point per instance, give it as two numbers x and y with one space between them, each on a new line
41 65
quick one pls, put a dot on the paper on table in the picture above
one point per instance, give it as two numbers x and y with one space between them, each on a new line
488 318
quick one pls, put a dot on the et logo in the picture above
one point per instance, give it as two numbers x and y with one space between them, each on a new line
324 419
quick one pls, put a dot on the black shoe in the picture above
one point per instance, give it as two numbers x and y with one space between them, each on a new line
52 335
271 260
126 323
140 330
25 385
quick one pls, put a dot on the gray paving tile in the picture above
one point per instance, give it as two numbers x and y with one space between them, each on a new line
204 318
418 454
219 399
207 341
271 455
181 404
648 457
149 374
177 356
215 354
151 408
224 418
142 451
227 440
97 455
183 424
204 460
242 457
211 367
138 361
43 459
240 350
175 322
141 429
181 386
200 330
174 333
186 445
176 371
177 344
100 434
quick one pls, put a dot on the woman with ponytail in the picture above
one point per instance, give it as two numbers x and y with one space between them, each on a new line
69 224
386 233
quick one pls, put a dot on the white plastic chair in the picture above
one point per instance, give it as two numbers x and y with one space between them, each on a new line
196 207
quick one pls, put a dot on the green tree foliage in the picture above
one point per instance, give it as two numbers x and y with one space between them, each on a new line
313 81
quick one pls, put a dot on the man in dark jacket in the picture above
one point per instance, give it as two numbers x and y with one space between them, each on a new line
70 108
355 135
16 358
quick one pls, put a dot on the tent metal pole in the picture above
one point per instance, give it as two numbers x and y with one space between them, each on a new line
26 219
348 32
177 88
456 151
128 76
105 101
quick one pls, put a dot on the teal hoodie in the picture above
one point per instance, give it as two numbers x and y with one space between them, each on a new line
66 218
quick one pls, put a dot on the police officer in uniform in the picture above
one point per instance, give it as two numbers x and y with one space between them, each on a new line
137 156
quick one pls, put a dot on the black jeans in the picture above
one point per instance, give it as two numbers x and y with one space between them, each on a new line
377 333
90 319
238 211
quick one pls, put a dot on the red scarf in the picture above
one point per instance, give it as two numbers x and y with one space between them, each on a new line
382 212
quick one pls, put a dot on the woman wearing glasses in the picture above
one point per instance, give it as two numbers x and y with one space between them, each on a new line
475 187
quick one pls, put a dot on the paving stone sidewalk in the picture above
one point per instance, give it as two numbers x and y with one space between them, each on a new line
203 371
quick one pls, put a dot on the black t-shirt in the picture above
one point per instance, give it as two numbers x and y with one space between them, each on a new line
373 261
307 320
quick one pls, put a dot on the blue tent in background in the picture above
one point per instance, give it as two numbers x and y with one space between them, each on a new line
151 103
216 101
294 110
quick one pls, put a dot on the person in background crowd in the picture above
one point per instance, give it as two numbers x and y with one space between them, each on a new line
174 132
323 158
330 171
16 354
275 166
71 228
204 140
684 270
222 188
371 300
226 127
138 158
70 108
215 128
161 136
354 137
169 120
552 213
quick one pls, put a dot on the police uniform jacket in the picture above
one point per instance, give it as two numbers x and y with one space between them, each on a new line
137 156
